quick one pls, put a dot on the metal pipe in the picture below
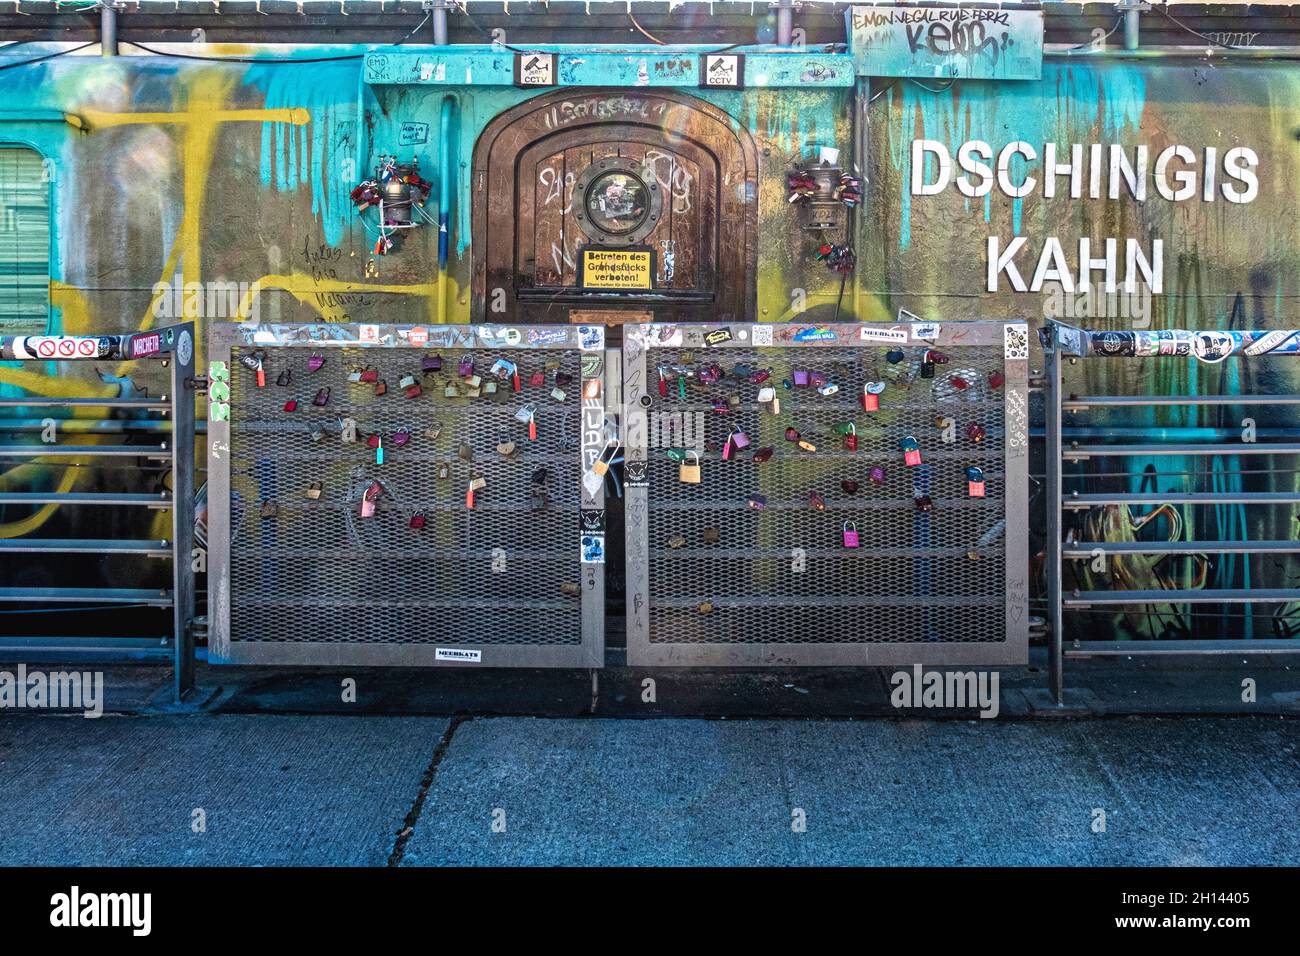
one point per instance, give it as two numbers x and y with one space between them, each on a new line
439 23
784 22
1052 373
1131 29
444 201
107 28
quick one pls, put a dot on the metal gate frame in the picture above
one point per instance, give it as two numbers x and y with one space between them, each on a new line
703 338
1066 343
225 336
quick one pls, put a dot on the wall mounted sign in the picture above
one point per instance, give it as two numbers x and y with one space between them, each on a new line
534 69
722 71
618 269
942 41
608 317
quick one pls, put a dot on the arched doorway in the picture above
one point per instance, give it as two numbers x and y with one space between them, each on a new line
622 201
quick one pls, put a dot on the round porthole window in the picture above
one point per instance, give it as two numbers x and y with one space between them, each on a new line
619 204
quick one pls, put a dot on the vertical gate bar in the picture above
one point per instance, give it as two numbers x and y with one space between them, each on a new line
182 368
1052 374
636 497
220 337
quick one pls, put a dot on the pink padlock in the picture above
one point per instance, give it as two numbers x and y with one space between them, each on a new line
850 534
911 451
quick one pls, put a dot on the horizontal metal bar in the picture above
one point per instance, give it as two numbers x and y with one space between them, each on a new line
138 643
95 451
64 651
1078 502
93 426
1076 402
161 500
1242 448
412 602
1240 648
74 545
43 401
1086 549
150 596
1218 596
846 600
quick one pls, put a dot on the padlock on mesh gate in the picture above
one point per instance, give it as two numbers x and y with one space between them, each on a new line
369 375
976 432
381 388
322 397
870 398
801 378
911 451
757 502
451 391
283 378
417 521
537 379
410 386
876 475
431 363
315 363
851 438
850 534
688 473
739 440
314 490
975 482
466 367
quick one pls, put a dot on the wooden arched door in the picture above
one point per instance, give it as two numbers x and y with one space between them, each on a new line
629 202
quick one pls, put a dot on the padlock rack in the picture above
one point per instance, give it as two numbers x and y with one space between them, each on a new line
1218 469
912 592
108 442
504 584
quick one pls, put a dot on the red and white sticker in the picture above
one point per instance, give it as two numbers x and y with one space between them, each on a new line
418 336
143 345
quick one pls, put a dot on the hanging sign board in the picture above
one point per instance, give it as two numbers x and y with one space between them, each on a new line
939 41
617 268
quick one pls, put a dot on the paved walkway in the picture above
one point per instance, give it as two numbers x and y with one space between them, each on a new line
426 791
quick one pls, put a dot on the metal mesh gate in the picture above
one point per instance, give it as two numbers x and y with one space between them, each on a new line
345 532
752 564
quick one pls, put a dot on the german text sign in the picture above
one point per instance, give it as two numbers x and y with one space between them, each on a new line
937 41
617 268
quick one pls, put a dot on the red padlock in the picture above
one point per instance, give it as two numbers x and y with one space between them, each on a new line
870 400
851 438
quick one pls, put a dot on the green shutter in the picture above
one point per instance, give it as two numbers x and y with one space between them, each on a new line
24 242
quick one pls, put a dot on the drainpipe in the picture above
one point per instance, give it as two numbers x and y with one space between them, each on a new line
108 28
784 21
1132 10
444 202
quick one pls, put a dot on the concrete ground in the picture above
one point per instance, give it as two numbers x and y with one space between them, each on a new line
375 790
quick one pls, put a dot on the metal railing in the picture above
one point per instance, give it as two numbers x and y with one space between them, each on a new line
70 443
1165 579
826 495
406 496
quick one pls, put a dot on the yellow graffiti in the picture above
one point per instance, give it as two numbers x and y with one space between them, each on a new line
320 294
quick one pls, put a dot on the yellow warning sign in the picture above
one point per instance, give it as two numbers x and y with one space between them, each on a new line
617 268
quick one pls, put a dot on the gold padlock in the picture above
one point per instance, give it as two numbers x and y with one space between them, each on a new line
451 392
433 431
477 483
687 473
806 445
506 448
314 490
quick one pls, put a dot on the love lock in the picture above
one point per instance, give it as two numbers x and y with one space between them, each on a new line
381 388
563 379
537 379
466 367
911 451
924 504
675 542
688 473
801 378
570 589
401 437
465 452
269 508
975 432
451 391
417 521
996 379
757 502
850 535
538 499
322 397
283 378
444 470
315 362
851 438
558 394
314 490
369 375
433 431
506 447
975 482
817 501
410 386
762 454
876 475
431 363
711 535
849 486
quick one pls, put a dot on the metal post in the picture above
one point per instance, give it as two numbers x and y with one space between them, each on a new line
439 23
784 22
1052 374
1132 11
183 510
108 28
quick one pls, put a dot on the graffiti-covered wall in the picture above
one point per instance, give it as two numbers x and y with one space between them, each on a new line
205 190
